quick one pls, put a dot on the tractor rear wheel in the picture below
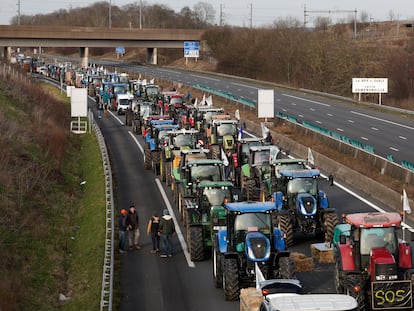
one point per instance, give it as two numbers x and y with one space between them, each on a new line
168 177
215 152
330 221
162 168
217 266
286 226
156 162
196 243
231 284
248 189
147 158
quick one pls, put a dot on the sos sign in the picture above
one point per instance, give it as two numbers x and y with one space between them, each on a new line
392 295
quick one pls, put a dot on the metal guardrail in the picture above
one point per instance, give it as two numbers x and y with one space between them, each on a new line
108 265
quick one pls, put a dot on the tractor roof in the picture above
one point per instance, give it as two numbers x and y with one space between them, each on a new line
305 173
194 151
204 162
370 220
264 147
251 207
247 140
184 131
160 122
288 161
215 184
157 117
166 126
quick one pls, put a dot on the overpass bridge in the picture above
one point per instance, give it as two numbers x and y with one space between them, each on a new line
89 37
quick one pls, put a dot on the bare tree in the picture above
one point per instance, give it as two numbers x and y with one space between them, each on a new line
204 12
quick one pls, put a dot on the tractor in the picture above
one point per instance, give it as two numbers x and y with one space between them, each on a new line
142 110
156 136
257 170
242 153
180 139
204 215
372 264
302 206
249 239
192 173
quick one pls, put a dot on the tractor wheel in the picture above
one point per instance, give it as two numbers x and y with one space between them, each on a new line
217 266
231 284
180 206
330 221
196 242
156 162
286 268
215 152
339 286
286 226
249 189
139 129
168 178
353 280
147 158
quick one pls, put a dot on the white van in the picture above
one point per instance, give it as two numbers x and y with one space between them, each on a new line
123 102
308 302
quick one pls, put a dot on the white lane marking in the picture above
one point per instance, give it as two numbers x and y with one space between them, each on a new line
364 138
177 226
293 104
351 121
319 122
329 114
394 149
300 115
116 117
137 142
170 71
402 137
208 78
244 85
308 100
339 129
374 128
383 120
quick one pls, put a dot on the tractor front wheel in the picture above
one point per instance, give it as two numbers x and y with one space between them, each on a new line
330 221
196 242
217 266
231 284
286 226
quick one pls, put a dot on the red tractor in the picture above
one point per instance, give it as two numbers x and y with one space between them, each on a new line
372 263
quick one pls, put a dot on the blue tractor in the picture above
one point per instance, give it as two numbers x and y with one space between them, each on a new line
302 206
249 238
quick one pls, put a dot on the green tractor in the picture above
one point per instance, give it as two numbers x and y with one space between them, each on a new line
204 215
192 173
178 140
258 169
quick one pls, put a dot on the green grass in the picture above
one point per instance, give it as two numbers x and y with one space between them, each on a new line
52 228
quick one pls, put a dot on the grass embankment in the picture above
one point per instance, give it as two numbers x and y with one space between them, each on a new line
51 227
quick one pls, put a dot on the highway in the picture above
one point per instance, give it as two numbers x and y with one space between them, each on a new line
389 133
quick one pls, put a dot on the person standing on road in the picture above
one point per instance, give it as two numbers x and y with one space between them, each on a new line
122 230
132 225
153 228
166 230
100 109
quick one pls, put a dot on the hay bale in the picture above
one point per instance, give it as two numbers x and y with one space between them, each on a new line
250 299
322 253
302 262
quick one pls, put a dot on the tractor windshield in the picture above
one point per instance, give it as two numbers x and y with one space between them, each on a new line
216 196
151 91
303 185
145 110
378 237
227 129
183 140
252 222
206 172
261 156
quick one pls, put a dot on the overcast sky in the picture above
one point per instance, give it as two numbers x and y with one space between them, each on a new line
239 12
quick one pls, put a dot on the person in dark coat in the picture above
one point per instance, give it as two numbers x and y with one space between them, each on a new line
132 225
122 230
152 229
166 230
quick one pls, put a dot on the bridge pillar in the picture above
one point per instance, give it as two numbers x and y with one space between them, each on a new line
152 57
84 54
7 53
